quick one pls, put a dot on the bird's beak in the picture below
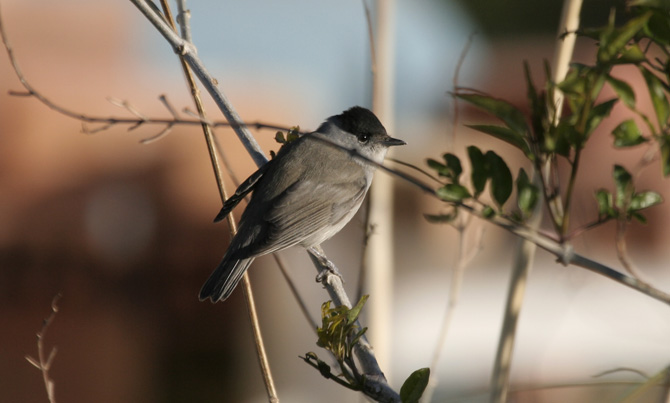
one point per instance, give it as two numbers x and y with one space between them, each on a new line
390 141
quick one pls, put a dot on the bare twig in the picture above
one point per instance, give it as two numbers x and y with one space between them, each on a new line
189 54
562 250
622 250
43 363
464 257
216 166
455 79
526 251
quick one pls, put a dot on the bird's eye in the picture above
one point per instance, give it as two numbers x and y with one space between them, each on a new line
363 137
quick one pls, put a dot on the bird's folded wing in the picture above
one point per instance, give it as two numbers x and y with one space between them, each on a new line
306 208
242 190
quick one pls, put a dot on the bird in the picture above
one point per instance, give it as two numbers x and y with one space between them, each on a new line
304 195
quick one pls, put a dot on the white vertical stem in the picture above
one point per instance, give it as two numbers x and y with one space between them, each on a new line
379 253
565 49
526 251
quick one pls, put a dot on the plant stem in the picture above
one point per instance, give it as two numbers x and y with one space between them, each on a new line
565 224
216 166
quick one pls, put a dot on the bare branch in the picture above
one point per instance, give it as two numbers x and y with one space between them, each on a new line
158 135
42 362
189 53
168 106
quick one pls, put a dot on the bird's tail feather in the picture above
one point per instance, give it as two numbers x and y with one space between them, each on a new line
223 281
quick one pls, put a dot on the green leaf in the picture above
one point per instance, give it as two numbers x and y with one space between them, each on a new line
526 193
352 314
658 27
501 178
539 111
440 218
613 43
605 204
438 167
658 98
414 385
627 134
664 144
503 110
623 91
452 169
454 166
279 137
452 192
488 212
505 134
574 83
597 114
631 55
644 200
480 171
624 185
638 216
659 4
562 138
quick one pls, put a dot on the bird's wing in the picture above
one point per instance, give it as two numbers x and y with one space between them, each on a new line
242 190
306 208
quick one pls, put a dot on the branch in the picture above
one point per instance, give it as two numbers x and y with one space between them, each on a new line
377 381
186 50
209 139
43 363
564 251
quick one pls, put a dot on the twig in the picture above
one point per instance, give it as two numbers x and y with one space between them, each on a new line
455 79
294 290
43 363
563 251
108 122
621 369
621 250
189 54
375 384
526 252
464 258
216 166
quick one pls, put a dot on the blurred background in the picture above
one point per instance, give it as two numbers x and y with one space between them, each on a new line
123 231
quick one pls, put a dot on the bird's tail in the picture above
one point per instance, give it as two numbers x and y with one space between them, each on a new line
223 281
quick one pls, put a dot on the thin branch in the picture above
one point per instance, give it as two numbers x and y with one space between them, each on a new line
43 363
163 98
455 78
525 255
216 166
464 258
563 251
333 287
294 290
622 251
188 52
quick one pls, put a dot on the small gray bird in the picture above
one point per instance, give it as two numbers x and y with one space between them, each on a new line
303 196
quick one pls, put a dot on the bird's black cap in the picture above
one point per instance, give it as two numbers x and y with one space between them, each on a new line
358 120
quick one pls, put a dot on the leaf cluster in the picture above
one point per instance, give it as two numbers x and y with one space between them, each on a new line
486 169
339 333
291 135
545 135
625 203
